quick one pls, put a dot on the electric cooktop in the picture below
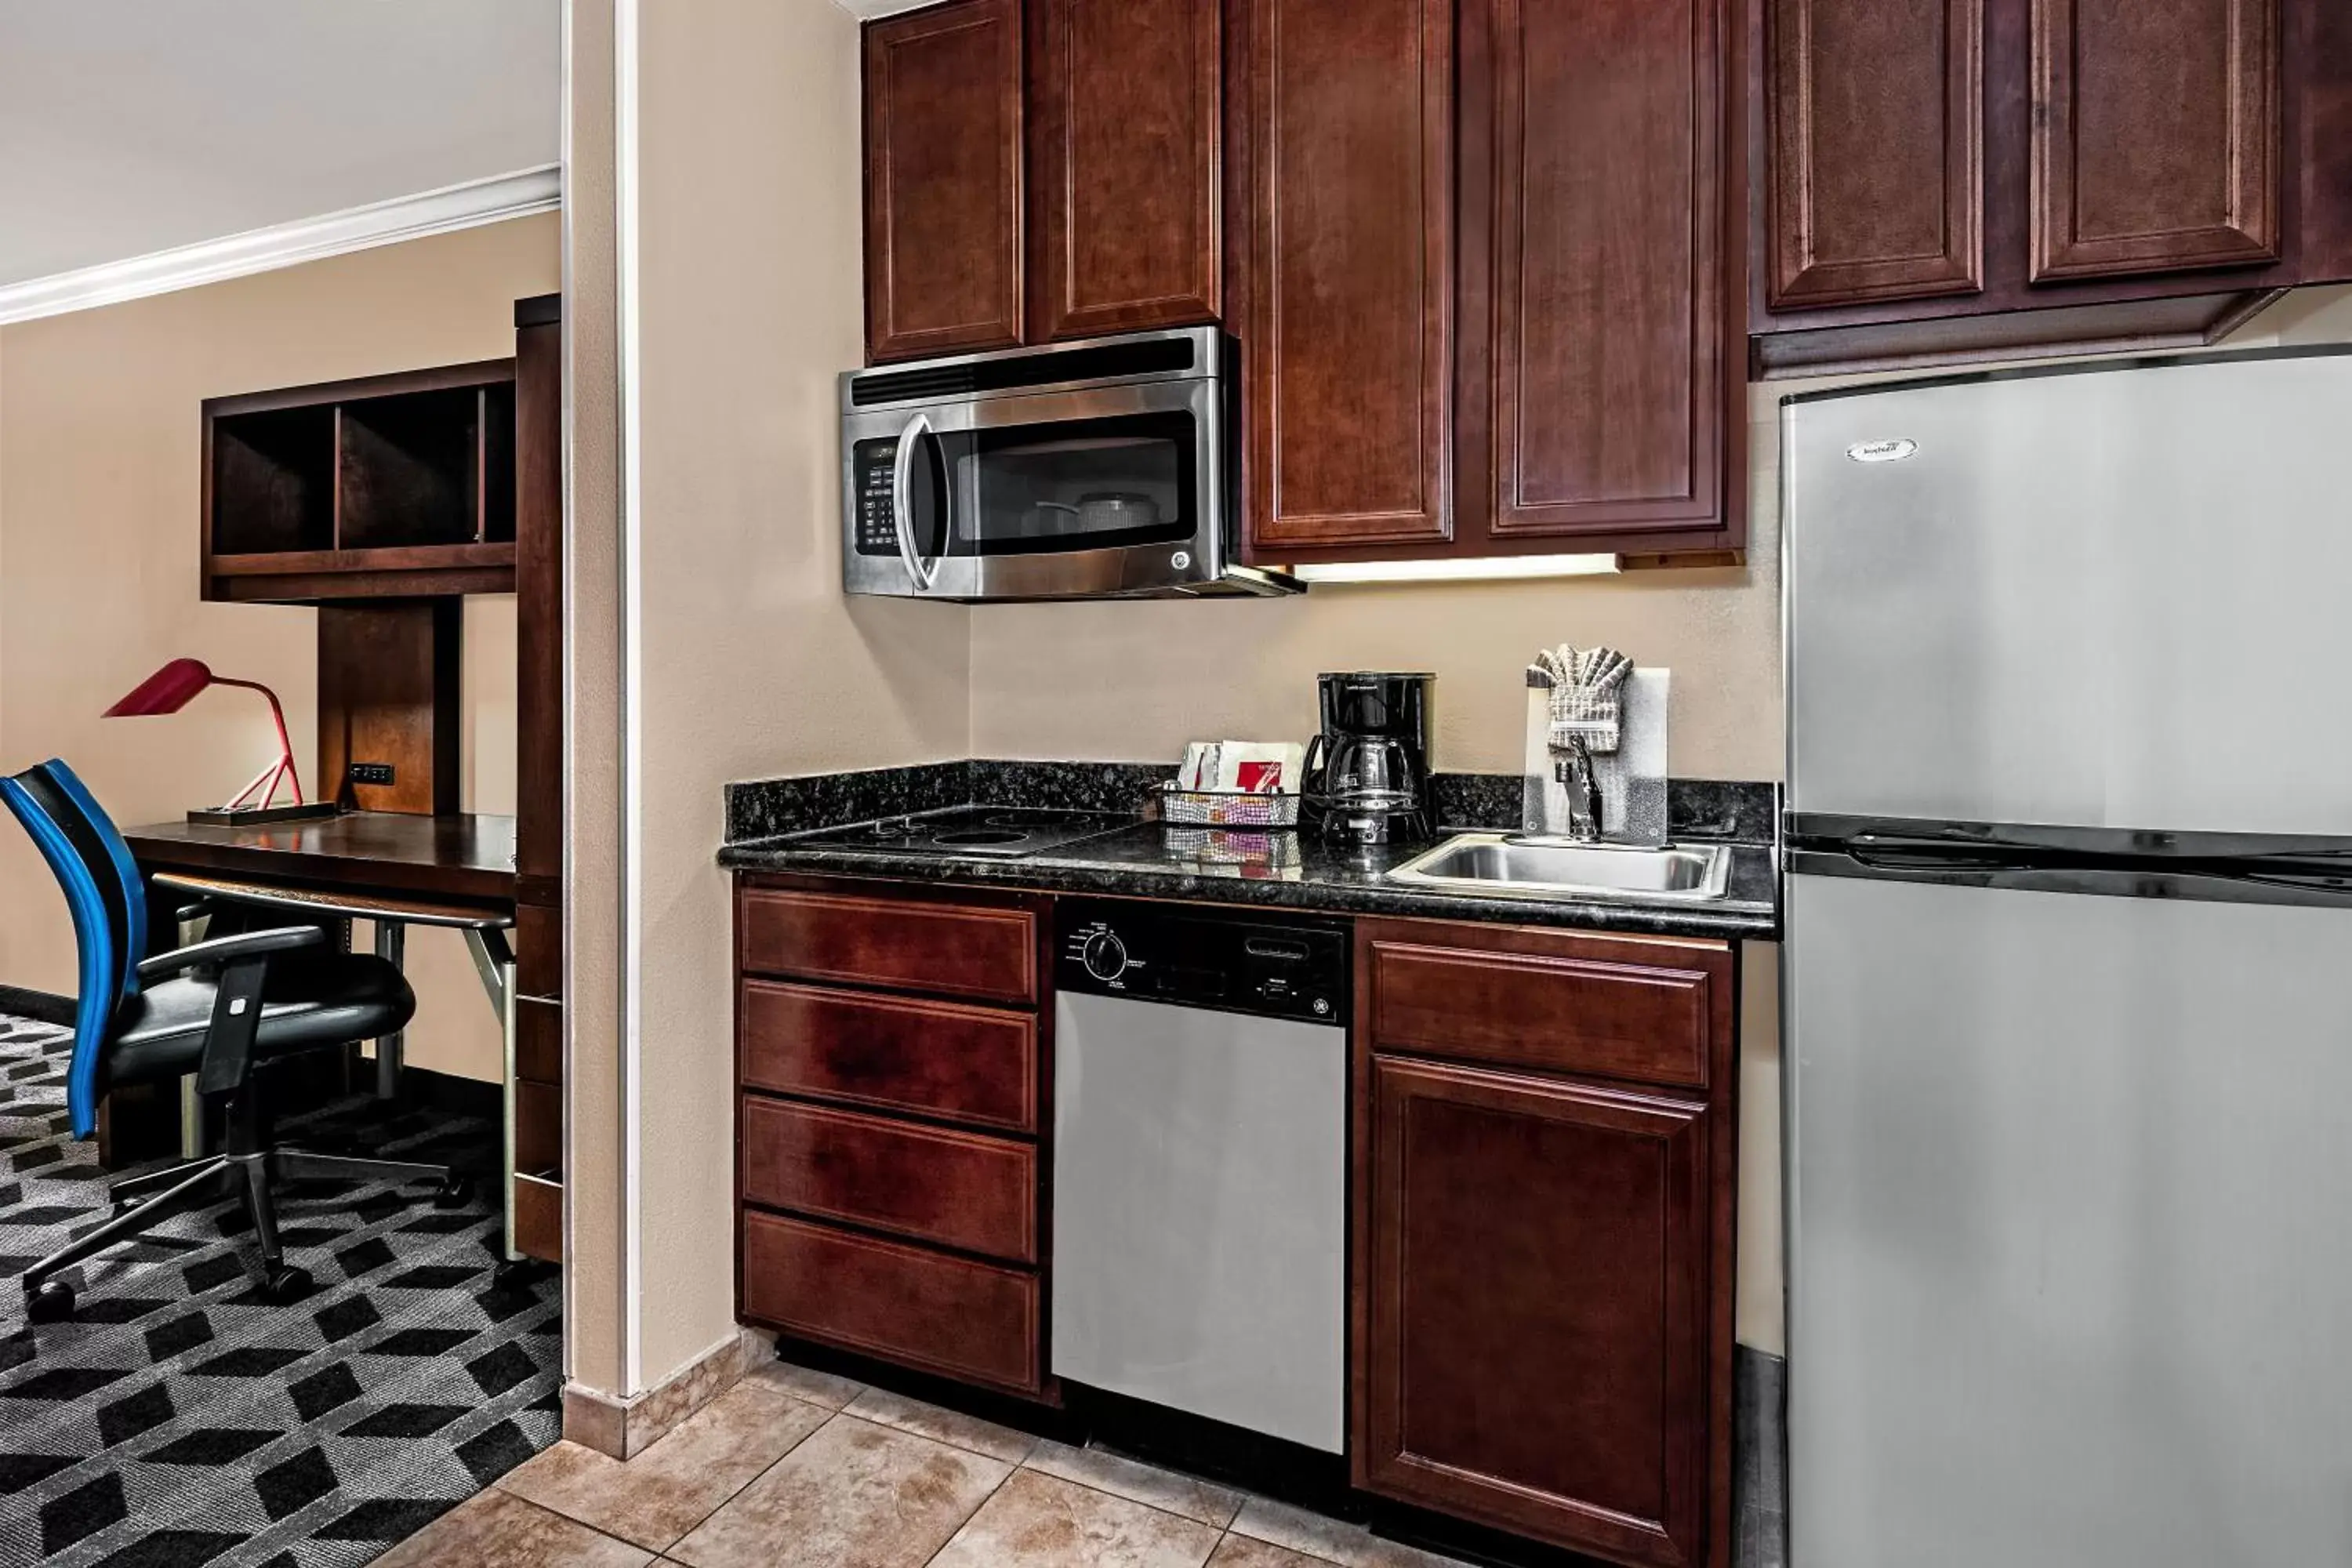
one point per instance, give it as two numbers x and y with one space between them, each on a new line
1006 831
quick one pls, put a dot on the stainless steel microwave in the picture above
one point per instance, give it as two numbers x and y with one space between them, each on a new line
1102 468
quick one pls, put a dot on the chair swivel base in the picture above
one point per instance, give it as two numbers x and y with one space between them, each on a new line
250 1176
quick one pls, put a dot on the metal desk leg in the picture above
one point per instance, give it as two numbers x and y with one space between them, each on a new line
494 962
391 945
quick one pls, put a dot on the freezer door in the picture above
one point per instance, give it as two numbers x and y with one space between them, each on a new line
2109 598
2069 1267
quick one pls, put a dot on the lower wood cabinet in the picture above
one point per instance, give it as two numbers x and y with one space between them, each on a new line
890 1162
940 1313
1540 1366
1542 1259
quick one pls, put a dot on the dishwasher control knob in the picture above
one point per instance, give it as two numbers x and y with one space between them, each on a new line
1104 955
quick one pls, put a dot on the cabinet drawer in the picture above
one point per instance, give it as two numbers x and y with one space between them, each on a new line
936 1058
954 950
538 1217
539 1039
925 1310
958 1189
1610 1007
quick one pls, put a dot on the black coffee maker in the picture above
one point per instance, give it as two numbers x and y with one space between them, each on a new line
1368 772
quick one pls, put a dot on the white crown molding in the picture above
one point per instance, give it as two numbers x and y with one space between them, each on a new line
867 10
492 200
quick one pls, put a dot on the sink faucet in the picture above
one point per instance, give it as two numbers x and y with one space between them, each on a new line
1573 767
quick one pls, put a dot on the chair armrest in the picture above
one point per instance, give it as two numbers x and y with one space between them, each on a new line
224 949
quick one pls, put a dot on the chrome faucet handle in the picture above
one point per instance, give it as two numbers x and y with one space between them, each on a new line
1572 766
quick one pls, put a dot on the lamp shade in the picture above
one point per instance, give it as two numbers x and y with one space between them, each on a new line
167 691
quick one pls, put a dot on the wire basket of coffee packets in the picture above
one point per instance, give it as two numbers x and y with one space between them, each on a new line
1226 808
1235 783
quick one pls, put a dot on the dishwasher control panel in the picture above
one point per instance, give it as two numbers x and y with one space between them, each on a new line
1271 965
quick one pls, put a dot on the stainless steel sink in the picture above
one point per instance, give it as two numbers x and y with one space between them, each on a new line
1513 865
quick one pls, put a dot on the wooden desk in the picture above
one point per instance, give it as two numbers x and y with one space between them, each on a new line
393 868
467 858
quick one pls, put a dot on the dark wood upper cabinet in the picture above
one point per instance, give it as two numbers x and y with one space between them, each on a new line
943 180
1534 1294
2140 175
1604 128
2156 136
1125 132
1876 140
1350 327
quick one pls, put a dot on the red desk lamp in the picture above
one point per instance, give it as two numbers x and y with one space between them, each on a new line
171 689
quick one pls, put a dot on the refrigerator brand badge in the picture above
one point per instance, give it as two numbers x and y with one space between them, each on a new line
1893 451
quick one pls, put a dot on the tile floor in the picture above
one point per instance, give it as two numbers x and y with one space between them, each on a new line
797 1468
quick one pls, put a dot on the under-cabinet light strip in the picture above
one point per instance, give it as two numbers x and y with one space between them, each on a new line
1491 568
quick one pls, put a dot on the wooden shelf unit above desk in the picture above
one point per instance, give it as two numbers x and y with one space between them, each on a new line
394 486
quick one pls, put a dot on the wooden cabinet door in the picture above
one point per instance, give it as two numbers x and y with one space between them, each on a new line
1876 150
2156 136
943 180
1349 339
1126 136
1531 1290
1611 338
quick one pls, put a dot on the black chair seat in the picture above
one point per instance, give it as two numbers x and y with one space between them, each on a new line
325 1000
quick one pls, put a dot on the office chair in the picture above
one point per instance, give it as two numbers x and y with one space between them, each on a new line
222 1009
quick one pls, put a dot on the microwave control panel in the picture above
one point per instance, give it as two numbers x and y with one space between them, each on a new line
877 532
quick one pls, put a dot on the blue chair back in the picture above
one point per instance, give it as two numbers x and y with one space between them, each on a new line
102 889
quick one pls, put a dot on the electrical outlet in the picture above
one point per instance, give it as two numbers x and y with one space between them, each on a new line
370 773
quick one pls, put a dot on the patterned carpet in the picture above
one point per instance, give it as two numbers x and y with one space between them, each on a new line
178 1419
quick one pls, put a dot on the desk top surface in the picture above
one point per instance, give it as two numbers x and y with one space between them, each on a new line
465 856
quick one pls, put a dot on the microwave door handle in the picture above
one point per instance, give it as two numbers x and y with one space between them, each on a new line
902 510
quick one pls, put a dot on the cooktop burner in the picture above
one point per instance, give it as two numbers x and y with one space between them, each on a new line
997 830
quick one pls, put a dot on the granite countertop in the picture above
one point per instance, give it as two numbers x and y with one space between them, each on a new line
1273 869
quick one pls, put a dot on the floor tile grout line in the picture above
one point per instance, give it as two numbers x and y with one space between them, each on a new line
659 1552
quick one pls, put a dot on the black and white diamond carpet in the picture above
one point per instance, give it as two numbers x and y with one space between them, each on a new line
180 1419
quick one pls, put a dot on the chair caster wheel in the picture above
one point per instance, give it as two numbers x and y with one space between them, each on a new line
453 1194
53 1302
284 1284
517 1274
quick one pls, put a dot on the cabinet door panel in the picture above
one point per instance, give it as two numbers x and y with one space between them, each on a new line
2156 136
1877 150
1532 1280
1350 350
943 180
1126 130
1608 295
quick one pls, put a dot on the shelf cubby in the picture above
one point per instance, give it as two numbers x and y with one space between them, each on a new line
396 486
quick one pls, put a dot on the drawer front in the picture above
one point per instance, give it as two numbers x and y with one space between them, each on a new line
539 1039
538 1219
924 1309
1644 1011
951 949
538 1126
936 1058
538 951
958 1189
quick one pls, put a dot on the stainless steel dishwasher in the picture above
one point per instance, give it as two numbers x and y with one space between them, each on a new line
1200 1163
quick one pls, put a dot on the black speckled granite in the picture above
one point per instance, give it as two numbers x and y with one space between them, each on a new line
1716 808
1285 870
1696 808
1290 871
1069 786
767 808
1478 800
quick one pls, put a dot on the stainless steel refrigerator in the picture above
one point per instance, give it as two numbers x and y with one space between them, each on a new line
2068 983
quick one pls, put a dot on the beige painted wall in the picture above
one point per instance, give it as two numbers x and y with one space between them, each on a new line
748 659
99 504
